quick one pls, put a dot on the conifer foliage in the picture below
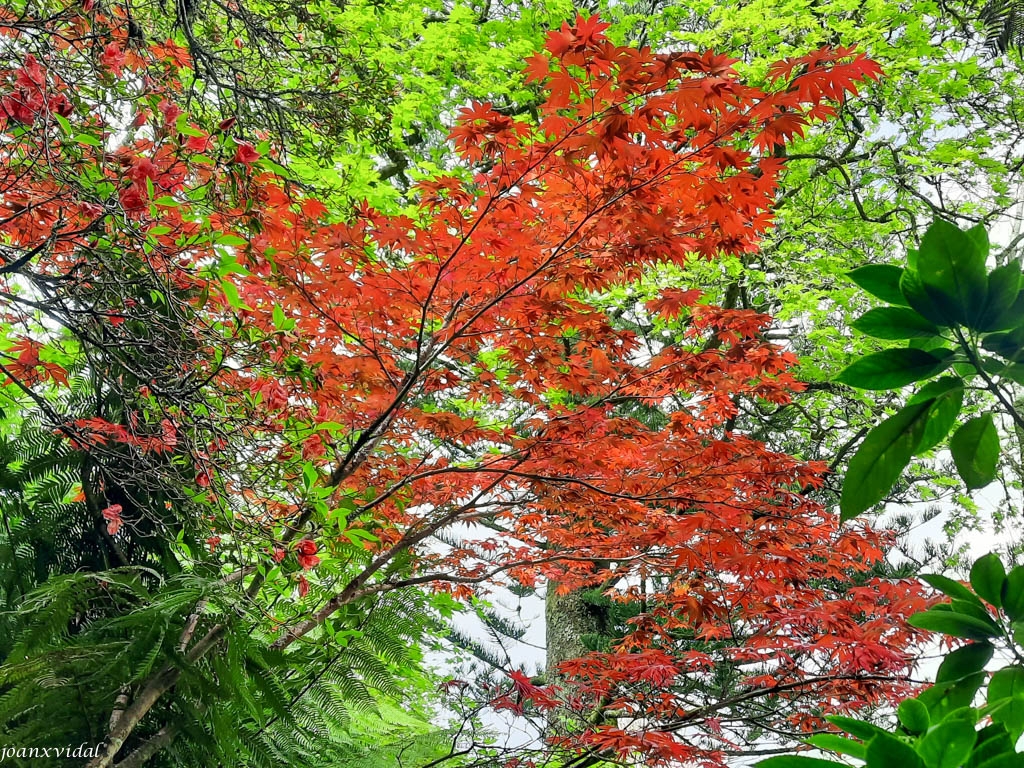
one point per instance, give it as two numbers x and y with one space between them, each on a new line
297 415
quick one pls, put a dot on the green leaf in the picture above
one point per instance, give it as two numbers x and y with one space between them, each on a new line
1014 372
279 316
1003 287
232 240
881 458
914 716
885 751
948 697
1007 685
987 578
935 388
894 368
862 730
309 476
975 449
355 535
949 587
979 235
894 323
943 413
796 761
954 624
993 740
1008 344
950 263
85 138
881 281
1012 594
1004 761
924 302
948 744
964 662
835 743
972 608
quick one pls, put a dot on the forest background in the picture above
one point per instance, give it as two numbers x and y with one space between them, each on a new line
329 328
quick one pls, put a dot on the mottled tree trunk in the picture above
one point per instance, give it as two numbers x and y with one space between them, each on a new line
568 618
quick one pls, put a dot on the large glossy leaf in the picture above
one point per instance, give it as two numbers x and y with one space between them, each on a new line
951 264
836 743
1003 287
886 751
954 624
975 449
881 458
993 741
945 698
894 368
948 744
1007 686
937 309
948 393
859 728
987 578
1010 760
949 587
796 761
964 661
894 323
1008 344
914 716
1012 593
880 280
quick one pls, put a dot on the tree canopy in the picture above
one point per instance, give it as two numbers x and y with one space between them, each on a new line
326 324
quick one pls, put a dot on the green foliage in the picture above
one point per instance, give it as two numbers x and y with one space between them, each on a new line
943 727
947 286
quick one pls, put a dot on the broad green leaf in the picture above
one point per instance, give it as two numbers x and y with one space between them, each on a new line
993 740
881 458
85 138
914 716
886 751
975 449
972 608
796 761
1008 344
232 240
231 294
948 744
894 368
936 309
862 730
935 388
987 578
1003 287
942 415
1007 686
964 661
881 281
1010 760
945 698
949 587
951 264
954 624
979 235
894 323
835 743
1012 593
356 535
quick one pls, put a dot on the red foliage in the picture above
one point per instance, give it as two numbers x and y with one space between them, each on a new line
460 368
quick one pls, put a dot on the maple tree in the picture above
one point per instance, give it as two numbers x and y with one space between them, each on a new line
308 410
